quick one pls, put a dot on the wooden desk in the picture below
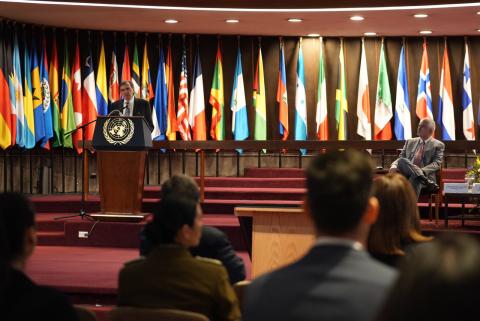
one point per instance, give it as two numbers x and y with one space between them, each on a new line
279 236
463 197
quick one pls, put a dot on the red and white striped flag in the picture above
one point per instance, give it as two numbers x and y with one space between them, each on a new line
77 98
182 110
113 90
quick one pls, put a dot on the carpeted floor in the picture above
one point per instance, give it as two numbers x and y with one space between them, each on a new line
88 274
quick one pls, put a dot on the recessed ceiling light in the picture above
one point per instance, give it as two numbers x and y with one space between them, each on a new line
420 15
425 32
370 33
478 30
478 12
314 35
357 18
295 20
232 21
171 21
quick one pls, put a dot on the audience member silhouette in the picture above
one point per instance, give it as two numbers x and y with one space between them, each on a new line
439 281
397 228
170 277
337 279
214 243
20 298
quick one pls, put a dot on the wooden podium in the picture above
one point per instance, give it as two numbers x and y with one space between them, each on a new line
279 236
121 144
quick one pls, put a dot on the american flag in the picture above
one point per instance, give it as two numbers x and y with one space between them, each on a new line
182 110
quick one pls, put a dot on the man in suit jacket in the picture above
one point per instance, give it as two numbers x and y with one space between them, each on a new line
131 106
421 158
337 279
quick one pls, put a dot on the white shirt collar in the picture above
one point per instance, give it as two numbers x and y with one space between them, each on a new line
130 102
330 240
426 140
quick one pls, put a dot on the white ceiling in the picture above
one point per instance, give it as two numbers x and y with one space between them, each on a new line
385 22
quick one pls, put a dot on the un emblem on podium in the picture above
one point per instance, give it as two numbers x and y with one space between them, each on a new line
118 131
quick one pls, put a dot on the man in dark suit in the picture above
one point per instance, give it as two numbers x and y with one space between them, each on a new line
421 158
337 279
131 106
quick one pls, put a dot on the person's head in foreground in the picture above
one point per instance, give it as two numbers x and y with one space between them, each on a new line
398 223
177 220
439 282
339 195
17 230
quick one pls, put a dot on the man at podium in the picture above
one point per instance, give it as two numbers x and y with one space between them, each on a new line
131 106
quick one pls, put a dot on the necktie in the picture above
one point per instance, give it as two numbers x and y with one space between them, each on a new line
126 111
418 160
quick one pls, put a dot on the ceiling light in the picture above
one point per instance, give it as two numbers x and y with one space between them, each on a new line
314 35
370 33
232 21
171 21
295 20
425 32
357 18
478 30
420 15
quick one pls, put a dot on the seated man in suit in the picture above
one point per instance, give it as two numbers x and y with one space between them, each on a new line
170 277
421 158
131 106
20 298
337 279
214 244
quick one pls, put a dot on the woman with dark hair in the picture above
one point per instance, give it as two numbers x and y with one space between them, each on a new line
170 277
20 298
437 282
397 228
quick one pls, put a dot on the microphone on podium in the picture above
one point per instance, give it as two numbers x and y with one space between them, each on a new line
120 111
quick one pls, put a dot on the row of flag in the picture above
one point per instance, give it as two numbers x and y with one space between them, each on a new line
37 107
384 111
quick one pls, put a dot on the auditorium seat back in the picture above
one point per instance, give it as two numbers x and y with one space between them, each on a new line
84 314
240 288
144 314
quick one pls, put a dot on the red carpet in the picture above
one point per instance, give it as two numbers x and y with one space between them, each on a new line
87 274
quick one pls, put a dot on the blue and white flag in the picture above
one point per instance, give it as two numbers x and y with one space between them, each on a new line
46 98
18 88
300 101
467 107
238 104
403 125
159 113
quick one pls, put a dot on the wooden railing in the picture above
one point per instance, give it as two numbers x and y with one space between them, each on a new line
278 145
